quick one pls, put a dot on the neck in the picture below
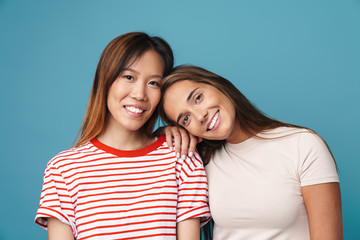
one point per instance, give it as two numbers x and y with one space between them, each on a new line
237 135
123 139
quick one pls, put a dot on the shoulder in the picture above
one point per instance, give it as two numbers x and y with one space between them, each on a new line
300 140
190 166
311 142
304 136
283 132
305 140
286 133
194 160
71 154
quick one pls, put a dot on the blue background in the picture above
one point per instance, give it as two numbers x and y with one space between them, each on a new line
298 61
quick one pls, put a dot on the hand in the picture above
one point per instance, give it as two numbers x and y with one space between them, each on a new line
185 143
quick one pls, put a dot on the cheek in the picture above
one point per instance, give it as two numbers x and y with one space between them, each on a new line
117 92
154 97
193 129
110 101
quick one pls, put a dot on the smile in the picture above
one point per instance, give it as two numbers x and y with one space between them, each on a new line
134 109
214 121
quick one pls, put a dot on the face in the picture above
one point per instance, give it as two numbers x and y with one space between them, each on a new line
134 95
201 109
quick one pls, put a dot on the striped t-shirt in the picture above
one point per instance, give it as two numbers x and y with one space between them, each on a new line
106 193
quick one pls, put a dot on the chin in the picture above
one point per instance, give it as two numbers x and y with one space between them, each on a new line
134 127
219 136
214 137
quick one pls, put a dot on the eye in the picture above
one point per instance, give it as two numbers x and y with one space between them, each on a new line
154 83
185 120
198 98
128 77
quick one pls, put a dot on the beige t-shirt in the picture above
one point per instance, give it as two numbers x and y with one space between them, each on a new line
255 186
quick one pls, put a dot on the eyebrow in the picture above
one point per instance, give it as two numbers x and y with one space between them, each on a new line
190 94
132 70
187 100
178 119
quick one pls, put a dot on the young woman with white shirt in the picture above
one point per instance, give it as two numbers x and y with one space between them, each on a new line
267 179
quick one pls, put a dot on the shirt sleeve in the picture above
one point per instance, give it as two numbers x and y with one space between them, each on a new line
317 163
55 200
193 190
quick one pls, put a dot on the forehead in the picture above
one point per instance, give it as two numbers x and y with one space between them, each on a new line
148 60
183 87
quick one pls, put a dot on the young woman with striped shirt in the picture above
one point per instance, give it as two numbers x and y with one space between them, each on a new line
119 182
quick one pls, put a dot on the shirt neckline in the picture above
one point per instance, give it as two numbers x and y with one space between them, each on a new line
129 153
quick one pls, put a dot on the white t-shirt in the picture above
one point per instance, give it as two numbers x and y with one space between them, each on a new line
255 186
106 193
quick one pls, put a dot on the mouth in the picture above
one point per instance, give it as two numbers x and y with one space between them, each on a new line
134 110
214 123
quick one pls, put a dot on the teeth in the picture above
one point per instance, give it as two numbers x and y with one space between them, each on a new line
134 109
212 124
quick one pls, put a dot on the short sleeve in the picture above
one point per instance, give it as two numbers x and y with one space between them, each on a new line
316 162
193 191
55 200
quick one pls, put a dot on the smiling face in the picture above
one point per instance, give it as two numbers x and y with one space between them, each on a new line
201 109
134 95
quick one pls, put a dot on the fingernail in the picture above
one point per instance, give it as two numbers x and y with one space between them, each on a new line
178 155
190 154
183 157
170 148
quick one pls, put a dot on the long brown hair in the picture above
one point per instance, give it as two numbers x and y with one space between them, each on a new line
117 55
251 120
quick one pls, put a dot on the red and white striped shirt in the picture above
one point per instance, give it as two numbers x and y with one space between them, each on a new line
106 193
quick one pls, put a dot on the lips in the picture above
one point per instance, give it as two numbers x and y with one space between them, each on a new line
135 110
214 123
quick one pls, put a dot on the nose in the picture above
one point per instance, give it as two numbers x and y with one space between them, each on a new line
138 91
201 115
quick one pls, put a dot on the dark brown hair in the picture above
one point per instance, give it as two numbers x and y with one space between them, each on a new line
251 120
117 55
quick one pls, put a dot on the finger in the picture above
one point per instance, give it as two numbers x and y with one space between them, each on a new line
192 145
177 138
184 143
169 137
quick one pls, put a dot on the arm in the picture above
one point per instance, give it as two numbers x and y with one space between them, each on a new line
185 143
188 229
323 206
58 230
